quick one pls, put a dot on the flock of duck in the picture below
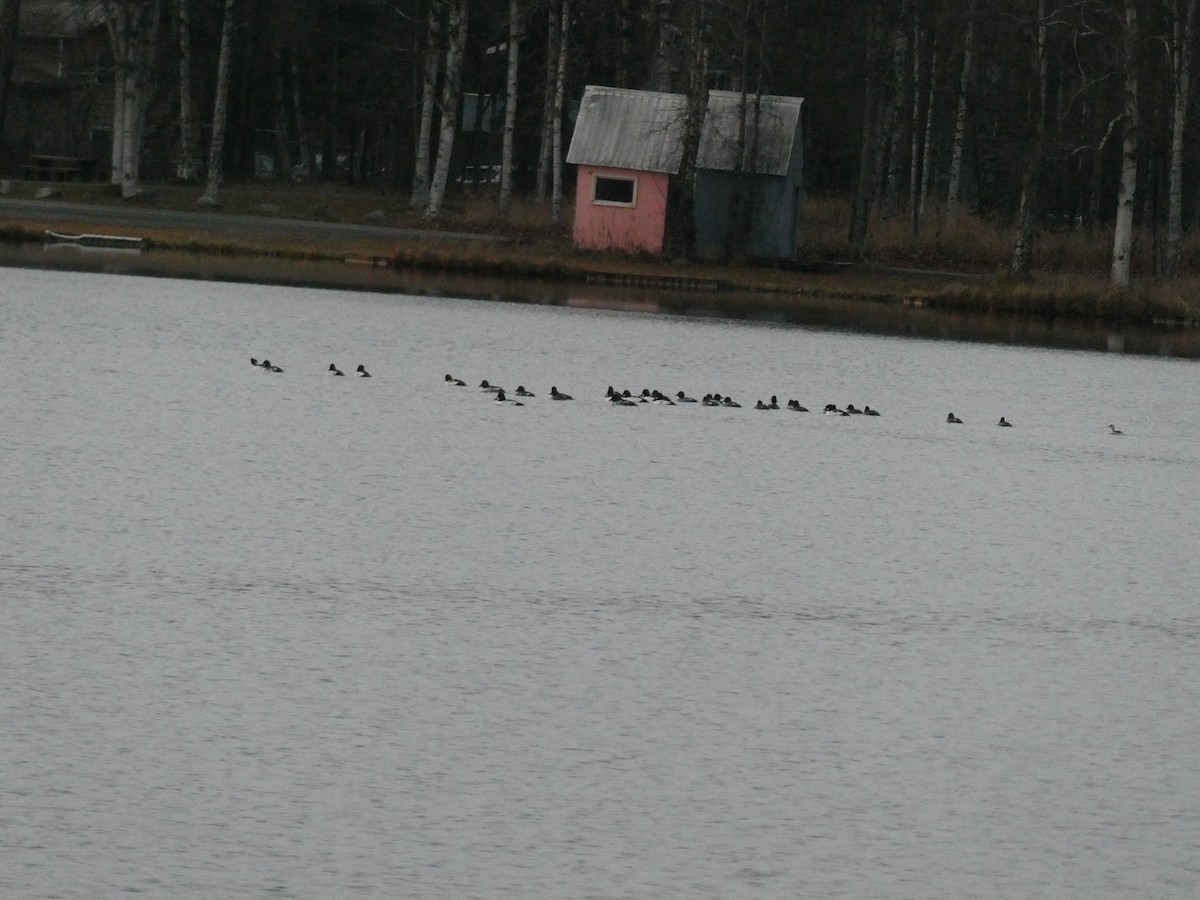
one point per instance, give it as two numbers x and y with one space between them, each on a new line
628 398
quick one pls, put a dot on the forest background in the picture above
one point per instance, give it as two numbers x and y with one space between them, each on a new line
1032 135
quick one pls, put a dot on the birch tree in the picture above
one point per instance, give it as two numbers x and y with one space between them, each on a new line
1127 191
556 194
429 77
510 106
451 100
1180 58
216 150
133 33
189 138
960 120
1027 216
550 88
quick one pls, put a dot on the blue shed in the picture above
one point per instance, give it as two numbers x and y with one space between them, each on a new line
768 182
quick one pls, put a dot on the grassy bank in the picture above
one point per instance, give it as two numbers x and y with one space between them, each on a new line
962 270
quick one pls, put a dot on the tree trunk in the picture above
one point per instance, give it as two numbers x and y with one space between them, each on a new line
662 58
1027 216
927 152
960 121
216 150
451 101
10 18
433 52
133 32
892 127
1181 64
1127 192
545 152
680 238
914 149
510 106
556 201
189 152
283 151
864 188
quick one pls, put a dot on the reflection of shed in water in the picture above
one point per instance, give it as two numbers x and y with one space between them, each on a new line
627 144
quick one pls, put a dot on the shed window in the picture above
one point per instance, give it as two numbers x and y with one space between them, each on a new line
609 191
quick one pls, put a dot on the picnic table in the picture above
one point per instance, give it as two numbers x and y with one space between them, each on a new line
45 167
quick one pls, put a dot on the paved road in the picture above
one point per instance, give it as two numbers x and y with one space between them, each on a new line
131 217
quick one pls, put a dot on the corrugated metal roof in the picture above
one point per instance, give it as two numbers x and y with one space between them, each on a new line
624 129
642 130
777 120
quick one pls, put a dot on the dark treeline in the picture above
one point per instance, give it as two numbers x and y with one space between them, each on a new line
1031 113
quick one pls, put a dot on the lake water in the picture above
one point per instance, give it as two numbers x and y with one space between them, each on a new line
303 636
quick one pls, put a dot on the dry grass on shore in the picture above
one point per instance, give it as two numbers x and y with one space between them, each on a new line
962 269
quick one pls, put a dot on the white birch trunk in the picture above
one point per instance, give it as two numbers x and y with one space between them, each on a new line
433 52
960 122
133 33
927 152
1127 192
545 152
556 197
1181 64
189 154
451 101
216 148
510 106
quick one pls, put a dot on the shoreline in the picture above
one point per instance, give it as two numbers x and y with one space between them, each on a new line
774 292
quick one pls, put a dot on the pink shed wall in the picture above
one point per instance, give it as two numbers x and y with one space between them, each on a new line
634 228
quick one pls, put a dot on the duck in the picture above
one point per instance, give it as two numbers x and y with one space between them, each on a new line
489 388
1004 423
556 394
455 382
334 370
1113 430
850 408
710 400
831 410
774 404
795 406
616 399
521 392
761 405
633 397
731 403
952 419
500 398
266 364
254 362
681 397
867 411
362 371
661 399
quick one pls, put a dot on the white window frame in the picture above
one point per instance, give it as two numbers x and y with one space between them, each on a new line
632 179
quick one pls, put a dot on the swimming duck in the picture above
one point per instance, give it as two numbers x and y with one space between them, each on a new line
852 410
634 397
362 371
730 402
334 370
952 419
254 362
556 394
661 399
455 382
761 405
521 392
867 411
831 410
684 398
1115 430
500 398
710 400
489 388
795 406
617 400
1004 423
774 404
266 364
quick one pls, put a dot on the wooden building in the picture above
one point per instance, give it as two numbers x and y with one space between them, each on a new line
61 93
627 144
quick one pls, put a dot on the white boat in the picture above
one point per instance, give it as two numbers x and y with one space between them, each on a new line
96 241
